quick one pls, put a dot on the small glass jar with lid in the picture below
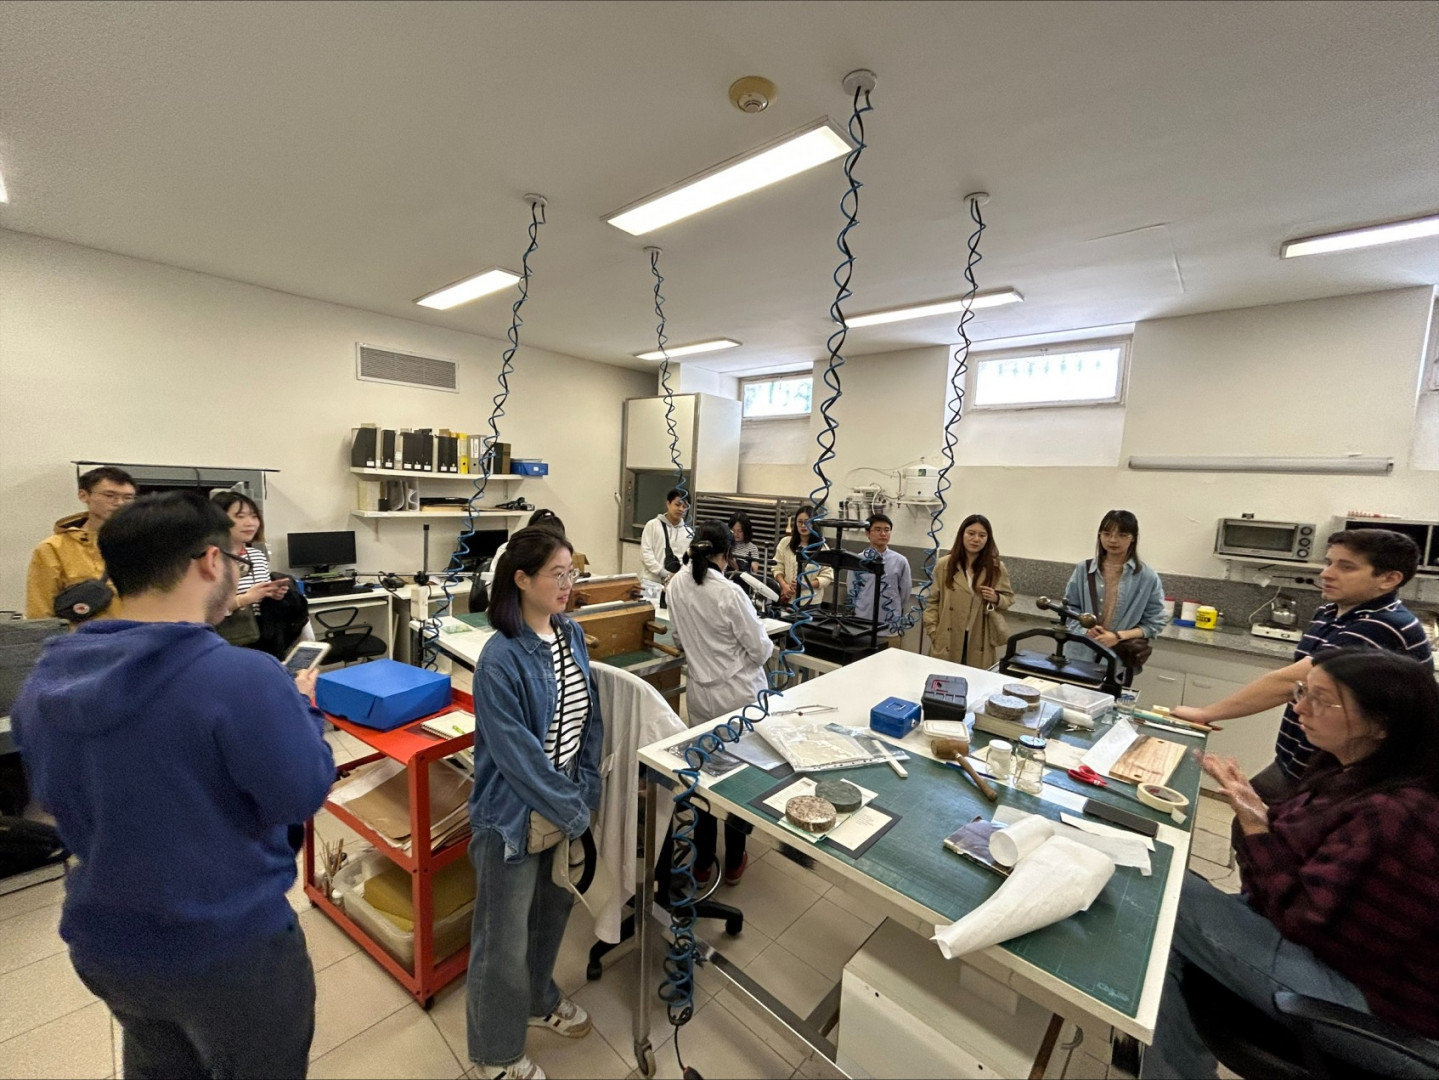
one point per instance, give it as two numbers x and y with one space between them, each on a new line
1029 764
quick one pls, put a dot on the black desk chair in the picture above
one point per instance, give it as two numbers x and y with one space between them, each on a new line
348 642
1316 1039
705 908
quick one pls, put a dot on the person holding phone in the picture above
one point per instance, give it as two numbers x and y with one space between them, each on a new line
538 740
265 612
787 569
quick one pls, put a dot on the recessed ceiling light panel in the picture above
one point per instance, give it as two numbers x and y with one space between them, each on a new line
787 156
1369 236
471 288
994 298
698 347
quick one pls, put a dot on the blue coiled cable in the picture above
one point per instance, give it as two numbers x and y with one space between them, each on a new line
430 628
956 401
662 339
677 990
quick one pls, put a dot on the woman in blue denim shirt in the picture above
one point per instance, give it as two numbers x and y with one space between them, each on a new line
538 737
1130 594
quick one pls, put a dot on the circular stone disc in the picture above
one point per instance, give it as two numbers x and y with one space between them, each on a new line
1005 707
810 814
845 797
1027 694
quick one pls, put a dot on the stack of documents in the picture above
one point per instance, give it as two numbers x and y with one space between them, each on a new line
379 795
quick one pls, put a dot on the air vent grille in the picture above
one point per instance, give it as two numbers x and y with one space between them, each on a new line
406 369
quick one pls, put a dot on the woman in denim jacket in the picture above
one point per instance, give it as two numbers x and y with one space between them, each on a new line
538 737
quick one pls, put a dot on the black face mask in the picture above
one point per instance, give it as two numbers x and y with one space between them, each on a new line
83 601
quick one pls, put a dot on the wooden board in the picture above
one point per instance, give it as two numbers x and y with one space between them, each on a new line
616 630
602 592
1148 761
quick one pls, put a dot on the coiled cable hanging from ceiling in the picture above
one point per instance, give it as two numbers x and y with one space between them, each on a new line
662 339
958 373
677 989
430 627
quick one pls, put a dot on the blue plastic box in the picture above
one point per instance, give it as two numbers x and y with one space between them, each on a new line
894 717
383 694
529 467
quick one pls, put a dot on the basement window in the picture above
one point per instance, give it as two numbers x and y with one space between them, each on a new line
1075 373
776 397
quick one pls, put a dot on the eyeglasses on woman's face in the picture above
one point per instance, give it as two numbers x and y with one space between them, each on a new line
1314 700
564 578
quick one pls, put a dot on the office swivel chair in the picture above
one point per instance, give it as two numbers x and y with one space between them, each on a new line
348 642
1314 1040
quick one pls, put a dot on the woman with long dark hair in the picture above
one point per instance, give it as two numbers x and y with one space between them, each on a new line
1337 882
1122 593
786 560
963 616
538 738
742 530
265 612
725 649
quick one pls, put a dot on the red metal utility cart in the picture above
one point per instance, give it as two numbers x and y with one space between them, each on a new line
415 749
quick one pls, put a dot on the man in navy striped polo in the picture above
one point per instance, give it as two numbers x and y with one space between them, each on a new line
1363 572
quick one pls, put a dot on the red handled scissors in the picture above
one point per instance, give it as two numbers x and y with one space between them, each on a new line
1085 775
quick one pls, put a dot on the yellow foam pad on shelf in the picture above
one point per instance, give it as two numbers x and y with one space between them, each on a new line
389 893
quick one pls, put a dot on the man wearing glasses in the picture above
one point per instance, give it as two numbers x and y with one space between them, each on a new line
70 555
174 764
1363 572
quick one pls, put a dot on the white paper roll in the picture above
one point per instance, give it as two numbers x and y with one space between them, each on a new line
1053 883
1013 842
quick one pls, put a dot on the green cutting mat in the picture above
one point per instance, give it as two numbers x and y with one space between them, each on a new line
1103 952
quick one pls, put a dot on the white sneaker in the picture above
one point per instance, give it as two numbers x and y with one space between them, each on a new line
567 1019
524 1069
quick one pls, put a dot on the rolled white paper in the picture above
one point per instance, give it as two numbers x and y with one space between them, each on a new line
1013 842
1057 880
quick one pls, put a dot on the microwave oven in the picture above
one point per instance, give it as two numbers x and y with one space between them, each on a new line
1282 541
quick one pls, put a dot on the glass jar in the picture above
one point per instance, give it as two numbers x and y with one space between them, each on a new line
1029 764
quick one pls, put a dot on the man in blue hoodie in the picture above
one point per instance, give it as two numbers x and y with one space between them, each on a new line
173 762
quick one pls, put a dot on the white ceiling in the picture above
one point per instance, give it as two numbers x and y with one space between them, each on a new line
1144 159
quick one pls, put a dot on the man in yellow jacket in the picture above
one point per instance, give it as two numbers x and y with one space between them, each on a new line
71 555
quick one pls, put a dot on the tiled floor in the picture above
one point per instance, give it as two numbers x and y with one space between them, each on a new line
799 931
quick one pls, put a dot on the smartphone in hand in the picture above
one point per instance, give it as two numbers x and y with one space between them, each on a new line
306 656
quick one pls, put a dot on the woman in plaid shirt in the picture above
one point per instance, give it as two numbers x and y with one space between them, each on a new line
1339 880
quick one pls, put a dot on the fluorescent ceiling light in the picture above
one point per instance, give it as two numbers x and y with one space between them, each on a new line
787 156
716 345
1370 236
1362 466
4 195
996 298
471 288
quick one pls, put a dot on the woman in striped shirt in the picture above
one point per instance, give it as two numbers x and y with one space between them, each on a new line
538 738
247 533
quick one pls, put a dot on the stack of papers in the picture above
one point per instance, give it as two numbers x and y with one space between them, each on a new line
379 795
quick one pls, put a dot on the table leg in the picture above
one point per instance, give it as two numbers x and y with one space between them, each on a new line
644 904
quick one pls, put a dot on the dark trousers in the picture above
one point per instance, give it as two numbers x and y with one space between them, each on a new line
707 837
251 1015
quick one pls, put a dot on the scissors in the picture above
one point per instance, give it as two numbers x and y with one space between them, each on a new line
1085 775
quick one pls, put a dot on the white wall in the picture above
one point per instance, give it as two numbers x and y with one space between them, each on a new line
109 358
1322 377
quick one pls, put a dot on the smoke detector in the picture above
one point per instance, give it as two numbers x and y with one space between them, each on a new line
752 94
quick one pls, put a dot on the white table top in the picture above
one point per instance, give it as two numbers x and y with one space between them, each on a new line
854 689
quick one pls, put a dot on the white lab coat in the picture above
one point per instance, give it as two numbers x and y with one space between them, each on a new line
724 642
636 714
652 546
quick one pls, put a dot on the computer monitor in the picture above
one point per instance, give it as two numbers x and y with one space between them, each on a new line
322 550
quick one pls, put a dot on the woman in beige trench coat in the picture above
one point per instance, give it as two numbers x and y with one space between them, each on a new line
963 616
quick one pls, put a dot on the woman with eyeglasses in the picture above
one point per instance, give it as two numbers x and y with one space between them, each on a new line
538 738
1337 883
725 648
247 535
787 569
1124 595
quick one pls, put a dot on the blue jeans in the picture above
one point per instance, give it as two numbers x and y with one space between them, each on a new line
519 922
1243 950
251 1015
